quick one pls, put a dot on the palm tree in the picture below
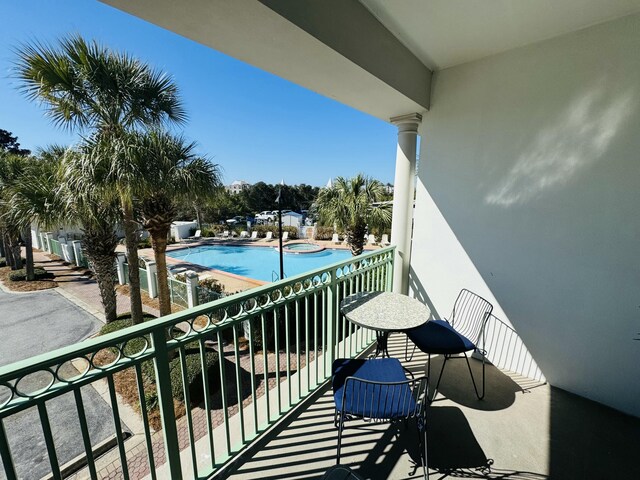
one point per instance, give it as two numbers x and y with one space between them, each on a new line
48 194
12 171
171 172
350 204
89 87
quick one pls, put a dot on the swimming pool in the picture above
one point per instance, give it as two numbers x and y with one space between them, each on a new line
258 263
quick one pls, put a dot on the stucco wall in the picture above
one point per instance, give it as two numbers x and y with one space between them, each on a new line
529 193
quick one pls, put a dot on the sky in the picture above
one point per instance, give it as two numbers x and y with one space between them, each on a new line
255 125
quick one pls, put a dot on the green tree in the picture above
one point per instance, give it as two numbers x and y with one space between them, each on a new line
12 171
48 194
9 143
89 87
170 170
350 204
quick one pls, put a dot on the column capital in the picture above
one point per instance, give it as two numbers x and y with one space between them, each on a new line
414 118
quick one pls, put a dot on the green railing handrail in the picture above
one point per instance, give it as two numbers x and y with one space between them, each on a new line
36 363
316 293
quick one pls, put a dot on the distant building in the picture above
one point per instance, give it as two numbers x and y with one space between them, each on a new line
388 188
237 186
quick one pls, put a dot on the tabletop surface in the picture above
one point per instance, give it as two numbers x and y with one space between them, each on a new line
384 311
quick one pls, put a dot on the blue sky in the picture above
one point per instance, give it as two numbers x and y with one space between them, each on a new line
255 125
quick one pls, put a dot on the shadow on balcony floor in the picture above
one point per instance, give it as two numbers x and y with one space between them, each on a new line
523 430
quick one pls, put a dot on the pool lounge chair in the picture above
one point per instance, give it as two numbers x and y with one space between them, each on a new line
285 236
335 238
195 237
371 239
225 234
269 237
254 236
385 240
244 234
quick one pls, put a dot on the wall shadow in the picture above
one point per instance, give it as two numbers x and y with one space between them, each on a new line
590 440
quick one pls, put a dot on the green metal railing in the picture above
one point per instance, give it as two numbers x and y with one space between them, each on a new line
275 346
56 248
178 292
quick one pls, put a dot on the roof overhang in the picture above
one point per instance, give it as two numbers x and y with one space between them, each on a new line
334 47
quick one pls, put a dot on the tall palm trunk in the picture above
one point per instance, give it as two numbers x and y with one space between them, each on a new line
16 257
355 238
99 245
159 245
131 240
6 246
28 246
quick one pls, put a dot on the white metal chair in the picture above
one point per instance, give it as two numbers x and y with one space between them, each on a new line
335 238
463 332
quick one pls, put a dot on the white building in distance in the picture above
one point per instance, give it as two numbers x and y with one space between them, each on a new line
237 186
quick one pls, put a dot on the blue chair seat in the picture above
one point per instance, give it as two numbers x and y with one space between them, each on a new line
437 336
369 400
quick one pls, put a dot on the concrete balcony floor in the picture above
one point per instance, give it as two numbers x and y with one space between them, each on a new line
523 429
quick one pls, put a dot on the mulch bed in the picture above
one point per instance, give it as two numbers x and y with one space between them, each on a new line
24 286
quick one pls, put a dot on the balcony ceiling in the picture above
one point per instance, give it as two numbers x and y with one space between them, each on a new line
444 33
376 56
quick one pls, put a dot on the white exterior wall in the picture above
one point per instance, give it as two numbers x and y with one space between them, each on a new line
532 157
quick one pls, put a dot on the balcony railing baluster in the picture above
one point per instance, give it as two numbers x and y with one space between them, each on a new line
270 315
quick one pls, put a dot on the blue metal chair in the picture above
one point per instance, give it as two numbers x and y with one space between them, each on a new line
378 390
462 333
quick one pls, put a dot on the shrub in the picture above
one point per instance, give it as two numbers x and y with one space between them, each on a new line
21 274
144 243
194 370
193 375
324 233
213 230
3 262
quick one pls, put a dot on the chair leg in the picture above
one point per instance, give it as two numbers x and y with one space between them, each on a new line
408 358
340 428
480 396
425 463
435 391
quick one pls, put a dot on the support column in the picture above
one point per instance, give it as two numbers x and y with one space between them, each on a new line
77 251
192 288
152 272
403 192
48 237
122 277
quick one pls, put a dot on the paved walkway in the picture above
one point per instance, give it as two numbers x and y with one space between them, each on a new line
80 288
39 322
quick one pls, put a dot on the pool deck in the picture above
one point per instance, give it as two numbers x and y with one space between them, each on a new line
230 281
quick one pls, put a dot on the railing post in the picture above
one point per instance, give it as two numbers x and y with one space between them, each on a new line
390 269
192 288
332 319
122 278
165 402
152 271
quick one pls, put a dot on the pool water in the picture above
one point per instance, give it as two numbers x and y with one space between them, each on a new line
258 263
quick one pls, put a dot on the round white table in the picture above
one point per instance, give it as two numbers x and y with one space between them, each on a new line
384 312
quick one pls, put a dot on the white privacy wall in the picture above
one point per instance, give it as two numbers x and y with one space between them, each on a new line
529 193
